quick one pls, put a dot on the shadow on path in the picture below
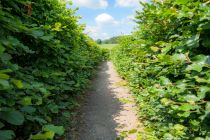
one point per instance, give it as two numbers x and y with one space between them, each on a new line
98 117
97 120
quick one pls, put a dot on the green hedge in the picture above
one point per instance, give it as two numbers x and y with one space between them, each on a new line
167 64
45 60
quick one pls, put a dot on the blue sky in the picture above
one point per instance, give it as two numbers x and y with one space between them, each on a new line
107 18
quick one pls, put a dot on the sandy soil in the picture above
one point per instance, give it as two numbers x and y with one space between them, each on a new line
108 110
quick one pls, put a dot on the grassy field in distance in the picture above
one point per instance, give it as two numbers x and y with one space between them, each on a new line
108 46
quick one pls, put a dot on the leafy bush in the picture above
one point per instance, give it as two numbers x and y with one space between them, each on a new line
167 64
45 60
105 53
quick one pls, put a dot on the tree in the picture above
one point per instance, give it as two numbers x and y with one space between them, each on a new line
99 41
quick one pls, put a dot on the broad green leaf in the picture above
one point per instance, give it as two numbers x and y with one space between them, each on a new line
165 81
1 125
53 108
57 26
200 59
5 57
181 85
205 26
2 49
37 33
4 84
179 127
208 74
43 136
66 114
44 90
165 101
18 83
26 101
6 134
202 91
208 60
191 98
155 49
199 138
47 38
39 101
206 42
168 136
28 109
6 71
179 57
4 76
36 119
193 42
202 80
195 66
207 107
132 131
188 107
185 114
174 107
182 1
195 124
12 117
56 129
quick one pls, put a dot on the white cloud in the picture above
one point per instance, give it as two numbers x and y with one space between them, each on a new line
94 4
107 26
96 32
128 3
105 19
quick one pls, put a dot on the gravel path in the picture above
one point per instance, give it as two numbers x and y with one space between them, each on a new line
108 109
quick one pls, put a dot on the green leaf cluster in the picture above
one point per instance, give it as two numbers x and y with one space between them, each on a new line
45 61
166 62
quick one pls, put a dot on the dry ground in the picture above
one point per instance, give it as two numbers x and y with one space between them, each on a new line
108 111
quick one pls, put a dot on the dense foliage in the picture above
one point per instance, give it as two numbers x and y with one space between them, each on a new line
45 60
167 63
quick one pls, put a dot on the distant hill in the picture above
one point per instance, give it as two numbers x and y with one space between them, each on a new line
113 40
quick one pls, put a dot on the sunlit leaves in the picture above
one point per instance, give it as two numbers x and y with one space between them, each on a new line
196 67
48 132
193 42
182 1
171 77
42 136
202 91
179 58
45 58
57 26
18 83
56 129
25 101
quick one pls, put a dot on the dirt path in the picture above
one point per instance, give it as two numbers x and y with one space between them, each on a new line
109 110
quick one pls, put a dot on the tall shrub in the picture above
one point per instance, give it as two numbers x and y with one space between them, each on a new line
167 64
45 60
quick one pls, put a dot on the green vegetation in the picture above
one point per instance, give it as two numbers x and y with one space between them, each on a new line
112 40
106 50
166 62
108 46
45 61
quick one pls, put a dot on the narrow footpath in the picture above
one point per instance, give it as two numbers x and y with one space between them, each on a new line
109 110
